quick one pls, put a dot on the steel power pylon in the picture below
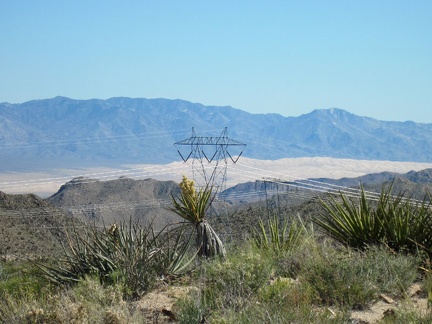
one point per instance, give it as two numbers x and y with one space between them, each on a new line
210 156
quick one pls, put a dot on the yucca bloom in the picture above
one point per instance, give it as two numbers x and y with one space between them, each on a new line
187 187
192 204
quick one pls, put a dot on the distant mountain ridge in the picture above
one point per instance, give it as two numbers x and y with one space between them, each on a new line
66 132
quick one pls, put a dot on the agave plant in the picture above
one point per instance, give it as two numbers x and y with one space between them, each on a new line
192 206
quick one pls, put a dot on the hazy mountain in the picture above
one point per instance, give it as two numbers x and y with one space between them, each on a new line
62 132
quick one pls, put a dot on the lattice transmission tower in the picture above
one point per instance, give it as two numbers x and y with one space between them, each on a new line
210 156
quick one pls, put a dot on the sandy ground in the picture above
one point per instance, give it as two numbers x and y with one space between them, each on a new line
46 183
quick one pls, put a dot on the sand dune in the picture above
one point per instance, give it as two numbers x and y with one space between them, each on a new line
45 183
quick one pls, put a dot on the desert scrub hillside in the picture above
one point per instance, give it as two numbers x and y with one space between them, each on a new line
288 270
30 227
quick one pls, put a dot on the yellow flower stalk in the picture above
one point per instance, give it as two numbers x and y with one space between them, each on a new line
188 187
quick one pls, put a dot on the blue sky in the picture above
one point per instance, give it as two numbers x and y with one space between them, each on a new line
372 58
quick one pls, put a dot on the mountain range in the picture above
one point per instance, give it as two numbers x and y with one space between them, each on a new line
63 132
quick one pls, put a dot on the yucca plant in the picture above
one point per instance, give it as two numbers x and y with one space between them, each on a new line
175 255
407 224
350 222
127 254
192 206
394 221
121 254
278 235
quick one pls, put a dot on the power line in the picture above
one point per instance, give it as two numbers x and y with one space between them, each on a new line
94 139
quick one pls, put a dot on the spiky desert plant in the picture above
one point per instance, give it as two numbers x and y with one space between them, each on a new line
395 221
407 223
122 254
175 255
128 253
350 222
278 235
192 206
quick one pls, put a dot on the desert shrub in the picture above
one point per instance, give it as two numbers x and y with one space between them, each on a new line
190 310
427 285
20 278
286 292
391 272
354 279
336 282
86 302
395 221
3 274
232 283
264 313
408 314
283 301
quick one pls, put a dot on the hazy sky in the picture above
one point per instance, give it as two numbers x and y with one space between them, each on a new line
372 58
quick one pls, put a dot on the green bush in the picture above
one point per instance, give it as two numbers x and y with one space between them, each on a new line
86 302
354 279
232 283
21 278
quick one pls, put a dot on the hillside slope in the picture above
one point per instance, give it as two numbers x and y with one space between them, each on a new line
30 227
104 202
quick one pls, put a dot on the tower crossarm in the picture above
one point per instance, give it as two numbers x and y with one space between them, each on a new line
221 145
207 140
